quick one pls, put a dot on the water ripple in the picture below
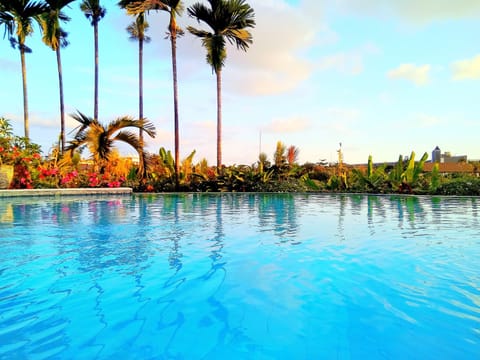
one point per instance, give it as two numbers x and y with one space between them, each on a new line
242 276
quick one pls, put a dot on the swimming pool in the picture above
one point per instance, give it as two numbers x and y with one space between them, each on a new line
247 276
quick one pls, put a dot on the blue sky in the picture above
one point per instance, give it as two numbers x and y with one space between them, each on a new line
381 77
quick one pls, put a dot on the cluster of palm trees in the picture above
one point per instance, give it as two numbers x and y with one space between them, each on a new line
228 20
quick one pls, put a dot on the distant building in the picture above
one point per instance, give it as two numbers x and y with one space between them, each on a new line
446 157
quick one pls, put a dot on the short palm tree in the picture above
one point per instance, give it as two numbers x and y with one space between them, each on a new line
228 20
55 38
17 16
94 12
174 8
100 139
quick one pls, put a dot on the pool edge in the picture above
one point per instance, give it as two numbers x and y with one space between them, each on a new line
65 192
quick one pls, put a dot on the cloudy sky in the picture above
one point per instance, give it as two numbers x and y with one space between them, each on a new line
381 77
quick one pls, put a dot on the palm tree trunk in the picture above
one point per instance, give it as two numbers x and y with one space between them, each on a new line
173 38
62 108
140 85
95 100
25 95
219 118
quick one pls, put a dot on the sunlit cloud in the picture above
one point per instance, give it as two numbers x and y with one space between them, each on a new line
277 61
419 75
466 69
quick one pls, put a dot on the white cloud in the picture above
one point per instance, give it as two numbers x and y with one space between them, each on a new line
341 120
347 62
413 11
9 65
426 121
417 74
343 114
466 69
289 125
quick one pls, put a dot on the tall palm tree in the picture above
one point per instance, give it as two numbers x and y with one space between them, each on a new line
228 20
137 31
17 16
174 8
100 139
55 38
94 12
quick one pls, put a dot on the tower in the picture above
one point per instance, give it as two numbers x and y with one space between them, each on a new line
436 155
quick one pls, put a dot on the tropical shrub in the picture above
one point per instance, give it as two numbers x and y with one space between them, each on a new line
19 152
459 186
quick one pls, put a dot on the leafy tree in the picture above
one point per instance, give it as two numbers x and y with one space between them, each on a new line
174 8
94 12
17 17
55 38
100 139
228 20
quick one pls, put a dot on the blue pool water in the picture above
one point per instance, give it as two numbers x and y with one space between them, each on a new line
247 276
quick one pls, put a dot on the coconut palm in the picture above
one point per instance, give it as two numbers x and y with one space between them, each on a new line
137 30
228 20
100 139
55 38
94 12
174 8
17 16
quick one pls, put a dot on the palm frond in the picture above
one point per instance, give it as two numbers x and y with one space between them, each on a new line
240 37
134 141
201 13
199 33
136 7
84 121
228 19
93 10
138 28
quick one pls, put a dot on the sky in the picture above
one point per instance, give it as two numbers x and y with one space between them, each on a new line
383 78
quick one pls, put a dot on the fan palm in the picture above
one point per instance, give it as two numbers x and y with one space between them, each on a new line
174 8
100 139
228 20
55 38
94 12
17 16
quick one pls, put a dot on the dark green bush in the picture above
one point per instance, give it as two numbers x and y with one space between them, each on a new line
460 186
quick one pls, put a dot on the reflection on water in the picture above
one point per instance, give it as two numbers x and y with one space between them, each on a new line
231 275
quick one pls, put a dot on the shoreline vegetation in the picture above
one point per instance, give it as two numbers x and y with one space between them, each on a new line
105 168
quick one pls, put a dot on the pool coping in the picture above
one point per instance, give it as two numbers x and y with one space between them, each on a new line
65 192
